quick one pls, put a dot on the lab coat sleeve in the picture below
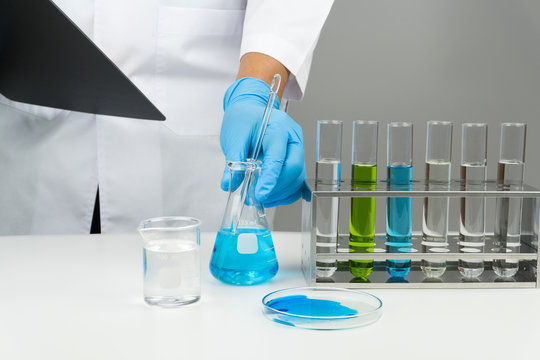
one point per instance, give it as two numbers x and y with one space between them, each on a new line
288 31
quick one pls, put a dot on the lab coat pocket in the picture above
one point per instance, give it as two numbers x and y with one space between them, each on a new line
197 59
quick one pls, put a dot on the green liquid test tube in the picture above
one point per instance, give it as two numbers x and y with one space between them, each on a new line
364 178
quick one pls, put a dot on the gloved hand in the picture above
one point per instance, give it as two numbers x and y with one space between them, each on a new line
283 171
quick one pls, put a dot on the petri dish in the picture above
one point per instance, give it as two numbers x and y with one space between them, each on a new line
321 308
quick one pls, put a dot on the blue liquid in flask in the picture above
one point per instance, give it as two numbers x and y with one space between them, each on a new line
399 220
244 257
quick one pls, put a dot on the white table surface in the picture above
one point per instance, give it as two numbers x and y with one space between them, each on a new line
80 297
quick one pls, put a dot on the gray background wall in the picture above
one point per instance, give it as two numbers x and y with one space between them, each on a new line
420 60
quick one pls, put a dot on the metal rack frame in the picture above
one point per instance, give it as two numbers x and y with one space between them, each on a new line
528 256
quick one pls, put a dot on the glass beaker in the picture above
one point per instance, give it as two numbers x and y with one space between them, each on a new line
244 251
171 260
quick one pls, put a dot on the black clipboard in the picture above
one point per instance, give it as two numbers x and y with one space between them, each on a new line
45 59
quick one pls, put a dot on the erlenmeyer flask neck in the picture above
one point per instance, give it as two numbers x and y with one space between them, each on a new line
243 209
238 171
243 165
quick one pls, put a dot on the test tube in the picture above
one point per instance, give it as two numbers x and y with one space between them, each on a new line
472 212
328 157
435 212
398 209
364 178
508 210
327 177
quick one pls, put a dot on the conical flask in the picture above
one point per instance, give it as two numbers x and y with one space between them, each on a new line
244 251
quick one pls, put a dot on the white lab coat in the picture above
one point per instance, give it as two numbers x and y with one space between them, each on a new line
182 54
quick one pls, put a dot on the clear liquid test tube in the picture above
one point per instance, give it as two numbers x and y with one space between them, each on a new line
327 177
364 178
435 212
472 210
398 209
508 210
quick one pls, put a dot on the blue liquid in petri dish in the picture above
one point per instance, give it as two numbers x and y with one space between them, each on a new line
399 220
301 305
244 257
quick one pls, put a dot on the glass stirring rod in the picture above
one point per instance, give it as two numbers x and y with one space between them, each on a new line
276 81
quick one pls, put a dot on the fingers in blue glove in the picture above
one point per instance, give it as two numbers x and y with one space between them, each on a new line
233 148
283 170
289 180
274 155
287 201
231 180
295 191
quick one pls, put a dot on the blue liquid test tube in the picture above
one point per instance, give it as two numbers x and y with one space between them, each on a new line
399 209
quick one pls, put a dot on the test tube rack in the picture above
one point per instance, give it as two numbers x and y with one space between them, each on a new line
526 277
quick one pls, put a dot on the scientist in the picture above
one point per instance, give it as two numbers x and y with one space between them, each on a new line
194 59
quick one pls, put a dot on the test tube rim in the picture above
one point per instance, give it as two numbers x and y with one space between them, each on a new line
400 124
474 125
514 124
333 122
440 122
366 122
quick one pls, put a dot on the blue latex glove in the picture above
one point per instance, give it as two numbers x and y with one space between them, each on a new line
283 170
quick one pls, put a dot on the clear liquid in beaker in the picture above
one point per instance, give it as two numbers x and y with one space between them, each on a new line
171 272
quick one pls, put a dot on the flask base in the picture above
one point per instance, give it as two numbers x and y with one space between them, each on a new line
243 278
